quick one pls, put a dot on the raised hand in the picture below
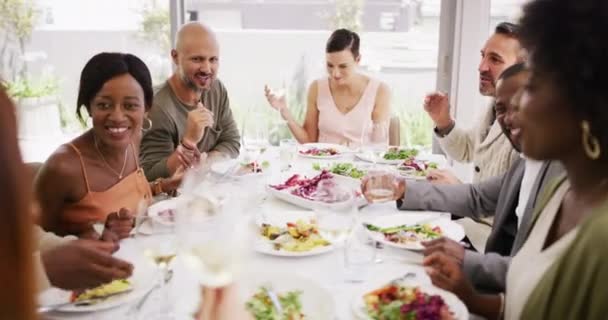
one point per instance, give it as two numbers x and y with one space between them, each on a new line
83 264
198 119
446 273
437 105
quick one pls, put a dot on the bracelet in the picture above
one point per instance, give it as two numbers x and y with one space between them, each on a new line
157 187
501 312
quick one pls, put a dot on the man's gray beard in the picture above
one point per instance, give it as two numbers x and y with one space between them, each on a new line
190 84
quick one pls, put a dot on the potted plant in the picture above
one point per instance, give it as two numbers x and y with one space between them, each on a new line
37 110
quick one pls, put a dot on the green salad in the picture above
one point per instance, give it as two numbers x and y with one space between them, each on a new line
261 307
400 154
344 169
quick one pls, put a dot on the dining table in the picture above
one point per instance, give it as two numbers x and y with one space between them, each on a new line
185 290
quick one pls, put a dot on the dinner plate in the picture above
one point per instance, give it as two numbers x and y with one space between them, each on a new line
317 302
449 228
457 307
142 280
280 219
307 146
222 167
365 157
158 207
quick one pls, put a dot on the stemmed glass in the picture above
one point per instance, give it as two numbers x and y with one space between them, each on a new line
337 222
211 238
287 151
161 250
374 140
255 137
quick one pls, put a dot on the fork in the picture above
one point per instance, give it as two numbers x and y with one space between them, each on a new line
137 307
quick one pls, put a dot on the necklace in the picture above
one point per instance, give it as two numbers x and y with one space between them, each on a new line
124 164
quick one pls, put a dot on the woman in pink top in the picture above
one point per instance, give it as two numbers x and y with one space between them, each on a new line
341 105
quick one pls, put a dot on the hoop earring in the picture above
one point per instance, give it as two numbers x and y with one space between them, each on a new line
149 125
590 143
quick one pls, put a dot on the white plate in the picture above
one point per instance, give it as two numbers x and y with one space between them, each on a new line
142 280
317 302
365 157
221 168
155 209
458 309
279 219
307 146
450 228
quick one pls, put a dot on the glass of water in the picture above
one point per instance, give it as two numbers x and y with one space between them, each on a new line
359 256
287 152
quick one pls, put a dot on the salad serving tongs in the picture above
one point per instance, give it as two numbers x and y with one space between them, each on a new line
87 302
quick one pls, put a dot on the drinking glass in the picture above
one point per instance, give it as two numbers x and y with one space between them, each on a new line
381 185
255 137
287 152
359 255
374 140
211 237
161 250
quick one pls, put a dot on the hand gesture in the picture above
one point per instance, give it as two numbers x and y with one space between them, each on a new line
276 101
198 119
83 264
446 273
188 154
442 176
120 223
446 246
437 105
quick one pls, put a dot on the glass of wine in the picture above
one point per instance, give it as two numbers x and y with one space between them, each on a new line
380 185
161 250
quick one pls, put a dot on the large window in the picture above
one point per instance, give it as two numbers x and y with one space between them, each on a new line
281 43
48 43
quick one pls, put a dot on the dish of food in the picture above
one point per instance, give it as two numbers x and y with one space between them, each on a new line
406 234
309 188
416 169
112 295
408 229
395 301
345 169
105 290
294 237
261 307
394 156
290 233
321 150
314 301
251 168
163 212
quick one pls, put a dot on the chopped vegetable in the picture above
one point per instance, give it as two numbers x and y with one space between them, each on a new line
261 307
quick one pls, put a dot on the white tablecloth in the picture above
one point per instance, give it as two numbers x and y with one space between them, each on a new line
184 288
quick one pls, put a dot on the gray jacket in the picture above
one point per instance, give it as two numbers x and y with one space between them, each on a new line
499 195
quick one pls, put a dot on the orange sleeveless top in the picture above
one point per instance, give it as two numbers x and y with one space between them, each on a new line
96 206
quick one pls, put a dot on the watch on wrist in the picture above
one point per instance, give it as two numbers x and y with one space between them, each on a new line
157 187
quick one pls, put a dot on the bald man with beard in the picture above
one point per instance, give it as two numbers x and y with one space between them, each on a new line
191 114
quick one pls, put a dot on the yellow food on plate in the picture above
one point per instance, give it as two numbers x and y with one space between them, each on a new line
299 236
104 290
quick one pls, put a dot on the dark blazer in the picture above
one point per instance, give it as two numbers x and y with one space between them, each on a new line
499 195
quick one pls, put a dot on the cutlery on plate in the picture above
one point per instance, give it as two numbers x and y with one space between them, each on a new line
404 277
137 307
273 298
87 302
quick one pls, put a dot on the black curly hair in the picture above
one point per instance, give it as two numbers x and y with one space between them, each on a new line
107 65
568 41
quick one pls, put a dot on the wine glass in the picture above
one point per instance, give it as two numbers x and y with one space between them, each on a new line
211 241
374 140
255 138
161 250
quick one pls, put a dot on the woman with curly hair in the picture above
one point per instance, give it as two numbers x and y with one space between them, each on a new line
562 269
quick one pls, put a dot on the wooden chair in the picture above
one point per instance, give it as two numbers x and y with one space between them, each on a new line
394 131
